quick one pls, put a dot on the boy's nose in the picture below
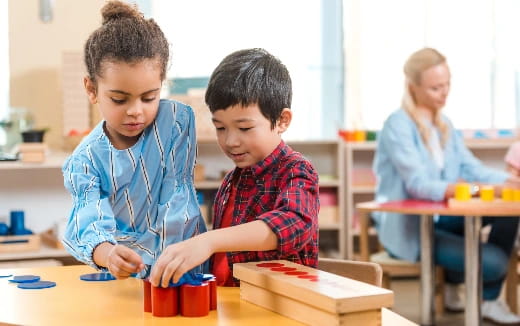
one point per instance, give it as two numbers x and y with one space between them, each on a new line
232 140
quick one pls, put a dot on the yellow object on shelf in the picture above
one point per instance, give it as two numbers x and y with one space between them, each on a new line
507 194
360 135
462 191
487 193
516 195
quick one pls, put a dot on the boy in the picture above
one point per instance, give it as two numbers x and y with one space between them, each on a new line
267 207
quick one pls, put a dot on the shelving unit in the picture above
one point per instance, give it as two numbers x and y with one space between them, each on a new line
326 156
359 157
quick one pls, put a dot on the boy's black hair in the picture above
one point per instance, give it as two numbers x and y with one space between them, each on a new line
125 35
251 76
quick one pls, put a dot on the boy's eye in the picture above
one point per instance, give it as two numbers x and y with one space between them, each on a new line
117 101
147 100
245 129
219 128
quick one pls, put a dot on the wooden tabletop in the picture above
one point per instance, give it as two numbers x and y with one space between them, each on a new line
423 207
76 302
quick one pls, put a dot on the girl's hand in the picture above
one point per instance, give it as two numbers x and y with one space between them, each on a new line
179 258
123 261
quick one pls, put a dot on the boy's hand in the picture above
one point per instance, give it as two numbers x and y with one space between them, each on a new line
179 258
122 262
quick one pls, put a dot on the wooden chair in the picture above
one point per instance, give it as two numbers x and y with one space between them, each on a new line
393 267
367 272
512 281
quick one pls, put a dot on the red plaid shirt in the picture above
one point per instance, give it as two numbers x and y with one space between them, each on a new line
282 190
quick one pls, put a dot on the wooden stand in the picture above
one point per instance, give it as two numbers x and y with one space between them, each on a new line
32 152
311 296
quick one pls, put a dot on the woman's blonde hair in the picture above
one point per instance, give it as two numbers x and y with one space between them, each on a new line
416 64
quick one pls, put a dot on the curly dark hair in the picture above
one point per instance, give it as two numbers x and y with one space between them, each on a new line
126 36
251 76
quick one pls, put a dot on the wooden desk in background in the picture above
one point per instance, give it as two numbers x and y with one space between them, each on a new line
472 228
76 302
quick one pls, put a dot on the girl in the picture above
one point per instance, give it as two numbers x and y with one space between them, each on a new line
131 178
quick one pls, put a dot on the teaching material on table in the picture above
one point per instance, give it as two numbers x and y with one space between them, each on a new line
310 295
25 279
37 285
194 295
97 277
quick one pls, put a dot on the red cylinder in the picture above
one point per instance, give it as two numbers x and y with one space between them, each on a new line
147 296
165 301
194 300
212 294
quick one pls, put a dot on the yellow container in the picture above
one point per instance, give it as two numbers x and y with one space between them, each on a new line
462 191
516 195
507 194
487 193
360 135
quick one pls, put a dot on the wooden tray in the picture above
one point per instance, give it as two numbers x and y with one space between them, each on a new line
477 203
17 243
314 294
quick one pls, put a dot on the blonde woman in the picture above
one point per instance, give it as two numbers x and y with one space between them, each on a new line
421 156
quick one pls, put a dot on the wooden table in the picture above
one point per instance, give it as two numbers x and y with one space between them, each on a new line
472 250
76 302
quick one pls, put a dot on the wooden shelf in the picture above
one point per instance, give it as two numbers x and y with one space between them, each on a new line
52 161
208 184
363 189
44 252
329 226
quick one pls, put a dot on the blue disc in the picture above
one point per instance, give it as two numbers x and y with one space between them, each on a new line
37 285
97 277
25 279
5 275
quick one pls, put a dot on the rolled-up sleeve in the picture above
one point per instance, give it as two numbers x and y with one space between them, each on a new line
294 218
92 220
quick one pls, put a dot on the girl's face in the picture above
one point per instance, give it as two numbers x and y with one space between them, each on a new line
128 96
433 88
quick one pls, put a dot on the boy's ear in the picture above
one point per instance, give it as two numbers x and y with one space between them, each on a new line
285 120
90 87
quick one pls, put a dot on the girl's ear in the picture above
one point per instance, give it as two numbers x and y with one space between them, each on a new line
285 120
90 87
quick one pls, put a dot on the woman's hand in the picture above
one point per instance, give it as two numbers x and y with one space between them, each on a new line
178 258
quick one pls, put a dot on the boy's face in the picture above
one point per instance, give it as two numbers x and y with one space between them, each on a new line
245 135
128 97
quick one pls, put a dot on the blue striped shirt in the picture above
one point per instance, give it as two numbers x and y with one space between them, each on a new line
142 197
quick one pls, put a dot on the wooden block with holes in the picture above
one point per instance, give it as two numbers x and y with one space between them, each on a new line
480 204
309 295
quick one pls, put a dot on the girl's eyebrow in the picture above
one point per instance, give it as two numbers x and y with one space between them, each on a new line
127 94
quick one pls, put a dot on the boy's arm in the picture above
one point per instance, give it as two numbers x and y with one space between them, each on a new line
179 258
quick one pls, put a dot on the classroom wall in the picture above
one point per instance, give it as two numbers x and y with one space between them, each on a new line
35 50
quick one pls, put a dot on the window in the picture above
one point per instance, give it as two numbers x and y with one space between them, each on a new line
305 35
478 38
4 61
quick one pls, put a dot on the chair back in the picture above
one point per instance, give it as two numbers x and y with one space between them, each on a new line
366 272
